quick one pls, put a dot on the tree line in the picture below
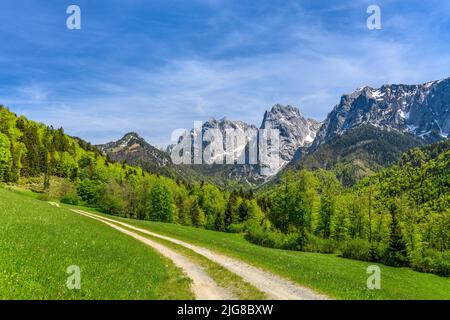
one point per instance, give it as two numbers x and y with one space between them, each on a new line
50 162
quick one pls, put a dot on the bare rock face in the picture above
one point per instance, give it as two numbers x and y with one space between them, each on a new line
239 129
295 131
421 110
247 172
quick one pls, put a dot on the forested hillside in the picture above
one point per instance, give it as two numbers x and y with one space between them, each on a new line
358 153
400 216
48 161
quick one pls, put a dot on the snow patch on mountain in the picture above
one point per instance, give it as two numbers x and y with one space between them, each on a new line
295 131
421 110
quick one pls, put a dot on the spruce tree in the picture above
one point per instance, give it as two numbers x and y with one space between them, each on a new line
220 221
243 211
397 254
229 211
197 215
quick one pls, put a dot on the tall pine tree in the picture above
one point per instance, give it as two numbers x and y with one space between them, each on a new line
397 254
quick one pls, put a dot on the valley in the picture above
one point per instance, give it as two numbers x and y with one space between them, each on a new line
368 186
334 277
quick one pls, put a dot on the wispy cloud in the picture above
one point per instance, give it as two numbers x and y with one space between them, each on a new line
233 64
32 94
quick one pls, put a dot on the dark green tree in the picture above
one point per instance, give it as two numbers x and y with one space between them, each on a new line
242 211
230 216
197 214
397 254
220 221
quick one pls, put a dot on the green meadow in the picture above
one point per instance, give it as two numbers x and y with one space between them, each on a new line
38 242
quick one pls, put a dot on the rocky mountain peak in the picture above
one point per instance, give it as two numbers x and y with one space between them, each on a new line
413 112
133 148
130 139
295 130
225 123
422 110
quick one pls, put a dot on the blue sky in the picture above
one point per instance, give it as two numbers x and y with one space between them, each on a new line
157 65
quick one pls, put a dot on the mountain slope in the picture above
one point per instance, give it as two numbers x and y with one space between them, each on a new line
295 131
357 153
134 150
370 128
422 110
422 175
249 173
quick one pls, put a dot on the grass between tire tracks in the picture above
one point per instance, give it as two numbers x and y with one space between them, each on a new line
237 286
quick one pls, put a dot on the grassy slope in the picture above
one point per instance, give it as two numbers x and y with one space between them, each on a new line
38 242
338 277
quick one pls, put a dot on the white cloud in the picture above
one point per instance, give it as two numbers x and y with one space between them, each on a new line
310 67
33 94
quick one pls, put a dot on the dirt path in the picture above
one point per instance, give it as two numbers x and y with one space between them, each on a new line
55 204
203 286
274 286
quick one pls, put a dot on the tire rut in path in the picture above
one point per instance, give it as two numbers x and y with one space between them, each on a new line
274 286
203 286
